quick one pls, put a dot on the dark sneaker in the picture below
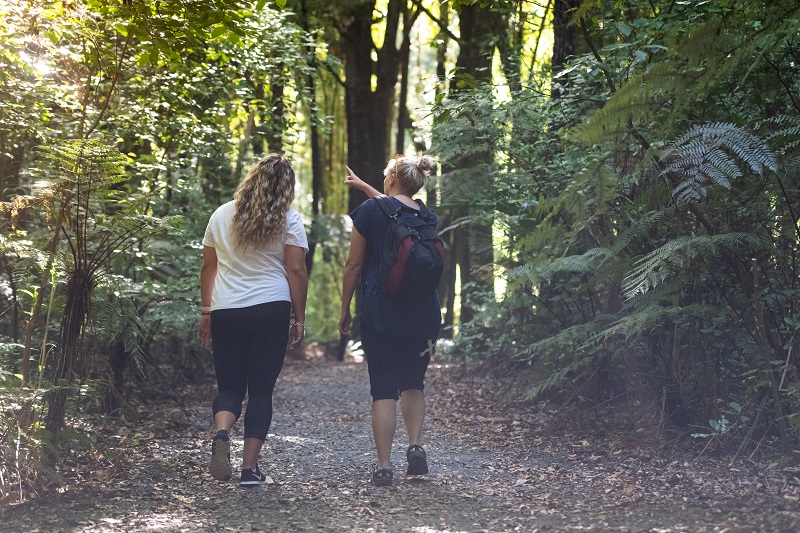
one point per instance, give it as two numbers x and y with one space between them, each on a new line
382 477
252 478
220 465
417 461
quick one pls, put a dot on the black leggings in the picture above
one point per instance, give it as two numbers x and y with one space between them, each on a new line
249 345
395 364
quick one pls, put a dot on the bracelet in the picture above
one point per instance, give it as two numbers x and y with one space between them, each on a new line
296 323
205 313
205 308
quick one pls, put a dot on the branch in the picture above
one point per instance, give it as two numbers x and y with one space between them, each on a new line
114 81
442 26
599 59
785 84
335 74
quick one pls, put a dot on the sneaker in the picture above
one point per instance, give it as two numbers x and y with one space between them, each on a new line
252 477
220 465
382 477
417 461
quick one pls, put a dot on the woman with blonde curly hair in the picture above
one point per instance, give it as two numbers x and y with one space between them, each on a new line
253 277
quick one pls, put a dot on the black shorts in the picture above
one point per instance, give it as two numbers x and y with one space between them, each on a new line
395 364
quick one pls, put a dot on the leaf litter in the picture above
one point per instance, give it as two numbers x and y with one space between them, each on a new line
494 468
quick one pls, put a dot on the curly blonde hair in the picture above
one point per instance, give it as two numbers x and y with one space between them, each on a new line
411 172
262 201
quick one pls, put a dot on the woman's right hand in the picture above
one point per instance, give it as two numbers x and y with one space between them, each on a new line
352 180
345 321
297 332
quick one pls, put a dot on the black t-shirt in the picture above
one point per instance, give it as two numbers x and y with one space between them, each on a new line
390 313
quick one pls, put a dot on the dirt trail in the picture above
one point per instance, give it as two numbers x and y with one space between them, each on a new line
492 470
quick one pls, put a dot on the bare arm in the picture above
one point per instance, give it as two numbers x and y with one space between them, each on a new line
298 288
208 274
357 183
352 269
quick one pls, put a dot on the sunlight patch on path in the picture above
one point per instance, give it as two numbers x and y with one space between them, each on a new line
433 530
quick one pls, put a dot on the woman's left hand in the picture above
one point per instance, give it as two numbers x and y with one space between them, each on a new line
204 330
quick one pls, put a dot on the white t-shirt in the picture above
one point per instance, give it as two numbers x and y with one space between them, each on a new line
250 277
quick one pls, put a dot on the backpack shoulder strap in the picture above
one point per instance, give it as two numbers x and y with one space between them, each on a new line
424 211
386 207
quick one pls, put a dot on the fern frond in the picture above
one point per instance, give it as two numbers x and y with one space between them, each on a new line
788 132
567 352
635 101
556 378
704 154
85 162
651 317
675 254
523 272
566 343
583 264
642 226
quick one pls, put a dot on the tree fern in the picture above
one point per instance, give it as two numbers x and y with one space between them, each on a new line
586 263
81 174
569 340
784 131
639 228
647 318
678 254
705 154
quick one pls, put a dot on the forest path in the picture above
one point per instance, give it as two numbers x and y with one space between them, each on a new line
492 470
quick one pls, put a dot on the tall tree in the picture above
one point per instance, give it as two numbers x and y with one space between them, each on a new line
472 246
369 110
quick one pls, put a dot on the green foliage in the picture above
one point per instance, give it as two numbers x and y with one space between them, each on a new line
702 155
724 425
649 215
680 254
332 234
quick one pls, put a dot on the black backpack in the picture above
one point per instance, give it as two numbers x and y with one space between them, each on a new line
413 255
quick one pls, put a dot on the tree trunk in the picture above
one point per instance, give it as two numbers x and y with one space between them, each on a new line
447 287
275 121
369 112
511 38
473 245
76 309
257 141
563 34
118 359
403 116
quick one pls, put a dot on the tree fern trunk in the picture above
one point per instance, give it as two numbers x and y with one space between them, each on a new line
78 294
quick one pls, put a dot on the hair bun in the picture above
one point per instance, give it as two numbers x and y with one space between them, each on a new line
424 164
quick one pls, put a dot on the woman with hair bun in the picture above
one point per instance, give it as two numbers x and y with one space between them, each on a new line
398 334
253 277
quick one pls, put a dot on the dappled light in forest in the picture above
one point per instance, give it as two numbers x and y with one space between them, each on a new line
617 186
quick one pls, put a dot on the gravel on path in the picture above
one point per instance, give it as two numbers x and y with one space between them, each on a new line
492 469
